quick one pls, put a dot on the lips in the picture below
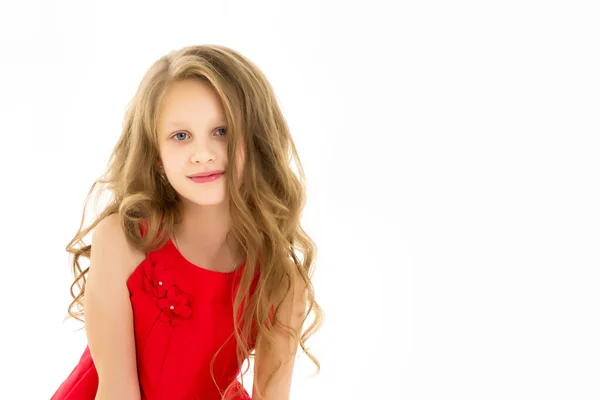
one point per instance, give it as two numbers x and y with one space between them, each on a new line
207 178
206 174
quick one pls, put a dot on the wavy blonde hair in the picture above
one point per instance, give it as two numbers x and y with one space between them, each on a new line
265 209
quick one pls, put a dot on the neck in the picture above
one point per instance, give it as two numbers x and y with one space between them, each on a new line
205 227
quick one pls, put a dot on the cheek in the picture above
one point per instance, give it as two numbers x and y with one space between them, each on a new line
171 156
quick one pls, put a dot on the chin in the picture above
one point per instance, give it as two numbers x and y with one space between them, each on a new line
211 195
206 200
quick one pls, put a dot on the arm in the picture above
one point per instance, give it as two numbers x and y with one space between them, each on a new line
283 349
108 314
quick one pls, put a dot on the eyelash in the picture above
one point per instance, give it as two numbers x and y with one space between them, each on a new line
225 129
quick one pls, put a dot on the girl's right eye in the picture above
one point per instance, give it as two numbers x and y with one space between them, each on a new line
179 133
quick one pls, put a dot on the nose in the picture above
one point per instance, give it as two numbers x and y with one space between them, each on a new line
203 153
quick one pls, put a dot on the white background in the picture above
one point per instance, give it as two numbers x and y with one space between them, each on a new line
451 150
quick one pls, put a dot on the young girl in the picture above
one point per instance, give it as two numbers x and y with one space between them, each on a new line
194 267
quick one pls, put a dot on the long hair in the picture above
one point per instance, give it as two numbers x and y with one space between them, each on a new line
265 210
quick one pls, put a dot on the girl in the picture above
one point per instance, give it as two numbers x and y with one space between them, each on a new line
194 267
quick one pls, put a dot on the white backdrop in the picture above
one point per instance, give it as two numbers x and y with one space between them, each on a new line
451 150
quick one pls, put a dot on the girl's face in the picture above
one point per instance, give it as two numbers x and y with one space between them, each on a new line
193 138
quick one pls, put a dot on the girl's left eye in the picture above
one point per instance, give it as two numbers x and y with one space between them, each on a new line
222 129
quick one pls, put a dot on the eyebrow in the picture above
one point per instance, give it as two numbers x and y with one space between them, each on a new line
222 121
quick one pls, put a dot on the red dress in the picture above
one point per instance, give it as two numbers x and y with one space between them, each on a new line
182 315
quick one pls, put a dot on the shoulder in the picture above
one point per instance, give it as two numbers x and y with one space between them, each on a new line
110 243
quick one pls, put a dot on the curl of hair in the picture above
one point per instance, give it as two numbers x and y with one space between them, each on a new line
265 209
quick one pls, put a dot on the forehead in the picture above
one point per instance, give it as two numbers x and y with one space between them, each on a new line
191 103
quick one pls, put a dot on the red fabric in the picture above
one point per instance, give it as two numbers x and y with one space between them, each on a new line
182 315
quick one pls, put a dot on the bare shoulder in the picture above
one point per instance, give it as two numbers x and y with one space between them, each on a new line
109 238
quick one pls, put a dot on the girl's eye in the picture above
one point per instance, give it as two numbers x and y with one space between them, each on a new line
180 133
222 129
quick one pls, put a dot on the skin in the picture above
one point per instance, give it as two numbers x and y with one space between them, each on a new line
192 136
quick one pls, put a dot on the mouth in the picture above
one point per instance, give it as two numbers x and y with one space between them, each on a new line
206 178
206 173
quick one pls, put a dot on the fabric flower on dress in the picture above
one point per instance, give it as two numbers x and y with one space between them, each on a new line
175 305
158 279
